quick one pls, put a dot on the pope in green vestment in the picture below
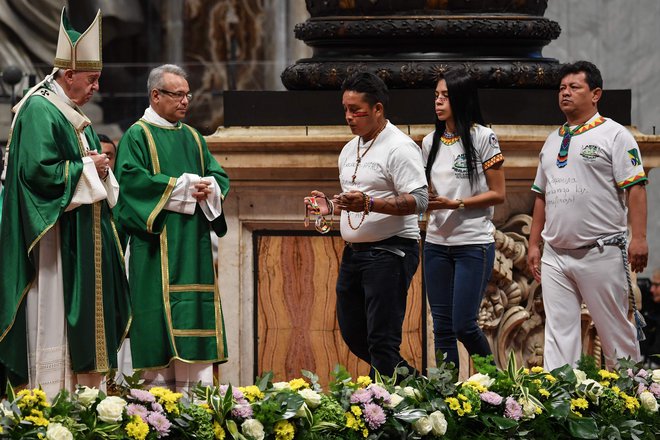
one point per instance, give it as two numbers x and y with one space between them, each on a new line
45 167
174 290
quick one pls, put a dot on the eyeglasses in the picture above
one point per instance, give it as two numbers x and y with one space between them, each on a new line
177 95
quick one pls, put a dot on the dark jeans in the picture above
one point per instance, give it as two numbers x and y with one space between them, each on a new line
371 303
456 278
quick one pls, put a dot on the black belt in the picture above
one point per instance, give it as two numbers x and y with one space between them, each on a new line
392 241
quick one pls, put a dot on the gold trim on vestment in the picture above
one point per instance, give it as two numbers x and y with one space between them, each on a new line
165 280
80 65
199 147
159 206
117 241
192 287
217 309
202 333
152 147
99 318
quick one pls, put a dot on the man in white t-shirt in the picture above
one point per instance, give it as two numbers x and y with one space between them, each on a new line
383 191
589 172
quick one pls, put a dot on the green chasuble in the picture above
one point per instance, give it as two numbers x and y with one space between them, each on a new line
174 291
44 167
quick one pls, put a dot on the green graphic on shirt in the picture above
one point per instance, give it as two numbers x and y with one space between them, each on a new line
634 157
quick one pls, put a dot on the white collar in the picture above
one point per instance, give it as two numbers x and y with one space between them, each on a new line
152 117
59 91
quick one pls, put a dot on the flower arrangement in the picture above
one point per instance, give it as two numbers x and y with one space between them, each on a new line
566 403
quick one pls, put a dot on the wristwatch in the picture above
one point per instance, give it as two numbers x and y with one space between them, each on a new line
461 205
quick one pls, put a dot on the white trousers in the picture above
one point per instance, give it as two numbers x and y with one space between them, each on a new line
596 277
179 376
49 362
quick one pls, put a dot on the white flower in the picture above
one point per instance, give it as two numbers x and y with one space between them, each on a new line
580 375
87 395
656 375
648 402
5 411
110 409
56 431
395 399
482 379
411 392
279 386
311 397
528 408
253 429
439 423
422 425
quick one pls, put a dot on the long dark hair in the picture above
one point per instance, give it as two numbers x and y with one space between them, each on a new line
464 102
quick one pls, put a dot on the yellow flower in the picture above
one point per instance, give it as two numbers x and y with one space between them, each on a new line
544 392
476 386
364 381
137 429
550 378
297 384
218 432
365 433
252 393
453 403
632 403
525 370
536 381
284 430
462 397
37 420
616 389
351 422
605 375
467 407
577 404
356 410
537 370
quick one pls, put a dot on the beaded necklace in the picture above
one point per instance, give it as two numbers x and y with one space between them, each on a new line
359 157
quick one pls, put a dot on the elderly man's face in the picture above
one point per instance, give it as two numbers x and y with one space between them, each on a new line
171 100
81 85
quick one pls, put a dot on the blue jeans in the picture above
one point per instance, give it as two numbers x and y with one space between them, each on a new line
456 278
372 288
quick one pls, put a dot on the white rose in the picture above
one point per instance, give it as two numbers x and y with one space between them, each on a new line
87 396
56 431
311 397
482 379
438 422
580 375
110 409
648 402
528 408
395 399
412 392
656 375
278 386
422 426
253 429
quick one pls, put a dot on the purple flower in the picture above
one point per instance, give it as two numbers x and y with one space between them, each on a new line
157 407
642 373
491 397
379 393
641 388
373 415
133 409
630 373
362 395
513 409
159 423
142 395
242 411
655 389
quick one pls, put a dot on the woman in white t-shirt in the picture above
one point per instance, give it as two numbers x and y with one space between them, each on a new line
465 175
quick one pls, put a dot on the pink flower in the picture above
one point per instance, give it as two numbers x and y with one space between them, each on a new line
513 409
159 423
362 395
133 409
642 373
373 415
655 389
242 411
641 388
491 397
142 395
379 393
